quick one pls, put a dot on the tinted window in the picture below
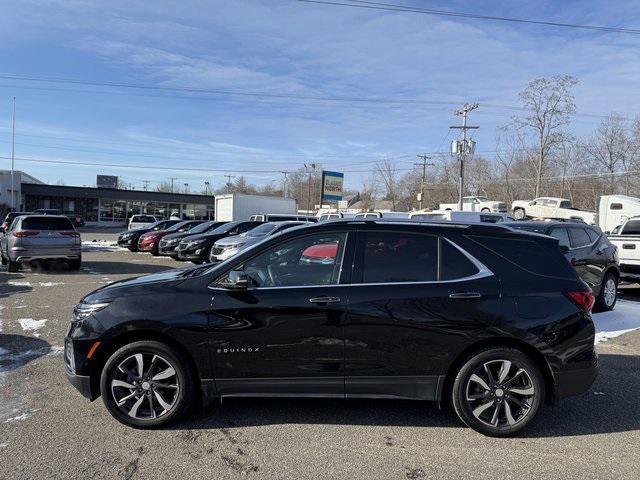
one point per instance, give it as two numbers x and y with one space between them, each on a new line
615 206
203 227
593 235
46 223
579 237
541 258
562 235
262 230
453 263
632 228
143 219
178 227
225 228
400 257
565 204
245 227
278 218
310 260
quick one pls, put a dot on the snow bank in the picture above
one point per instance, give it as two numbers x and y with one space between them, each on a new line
29 324
625 317
100 246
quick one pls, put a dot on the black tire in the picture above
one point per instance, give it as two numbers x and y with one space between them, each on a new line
519 214
180 401
75 264
133 248
154 251
501 396
12 266
2 259
604 301
485 210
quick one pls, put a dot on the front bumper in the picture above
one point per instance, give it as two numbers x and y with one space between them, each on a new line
168 250
81 383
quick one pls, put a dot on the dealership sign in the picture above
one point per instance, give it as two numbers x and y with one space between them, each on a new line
332 183
107 181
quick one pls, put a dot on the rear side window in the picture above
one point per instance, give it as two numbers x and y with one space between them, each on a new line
541 258
399 257
46 223
579 237
593 235
453 263
562 235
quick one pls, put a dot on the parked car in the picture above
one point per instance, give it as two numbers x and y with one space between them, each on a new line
493 320
129 238
46 211
77 220
10 217
197 248
168 245
149 242
626 237
550 207
282 217
40 237
476 204
227 247
381 214
457 216
590 252
334 216
141 221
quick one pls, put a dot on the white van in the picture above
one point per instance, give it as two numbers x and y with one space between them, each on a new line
141 221
453 216
334 215
614 210
281 217
382 215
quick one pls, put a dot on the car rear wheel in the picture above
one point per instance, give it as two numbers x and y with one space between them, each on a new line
75 264
519 214
608 294
146 384
498 391
2 259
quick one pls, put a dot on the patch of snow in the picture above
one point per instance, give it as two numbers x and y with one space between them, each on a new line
21 417
50 284
55 350
624 318
16 283
29 324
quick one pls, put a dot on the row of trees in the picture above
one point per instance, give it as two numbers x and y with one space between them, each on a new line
536 155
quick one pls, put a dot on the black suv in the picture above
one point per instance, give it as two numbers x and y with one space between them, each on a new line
168 246
129 238
591 253
493 320
197 248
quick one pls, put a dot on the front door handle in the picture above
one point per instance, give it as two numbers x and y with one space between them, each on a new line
465 295
325 300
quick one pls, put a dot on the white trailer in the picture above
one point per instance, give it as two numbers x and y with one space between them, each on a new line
614 210
239 207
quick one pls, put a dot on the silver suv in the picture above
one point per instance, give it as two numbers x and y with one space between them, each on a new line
40 237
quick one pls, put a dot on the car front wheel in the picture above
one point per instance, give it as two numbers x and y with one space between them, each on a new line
608 294
498 391
519 214
146 384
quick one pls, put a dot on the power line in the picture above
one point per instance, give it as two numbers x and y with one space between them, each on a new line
185 91
445 13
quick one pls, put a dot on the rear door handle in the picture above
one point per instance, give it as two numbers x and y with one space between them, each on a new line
325 300
465 295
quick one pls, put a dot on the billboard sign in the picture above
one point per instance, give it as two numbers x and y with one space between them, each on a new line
332 183
107 181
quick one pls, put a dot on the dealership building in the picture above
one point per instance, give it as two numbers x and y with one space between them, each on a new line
104 205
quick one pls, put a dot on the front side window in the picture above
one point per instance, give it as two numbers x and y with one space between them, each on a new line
305 261
391 257
579 238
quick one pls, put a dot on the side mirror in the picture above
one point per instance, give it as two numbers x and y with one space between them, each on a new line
235 280
607 232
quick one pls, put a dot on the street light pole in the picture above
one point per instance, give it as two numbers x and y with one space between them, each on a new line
13 155
424 173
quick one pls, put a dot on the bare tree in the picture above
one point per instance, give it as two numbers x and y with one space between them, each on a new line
387 173
549 104
609 146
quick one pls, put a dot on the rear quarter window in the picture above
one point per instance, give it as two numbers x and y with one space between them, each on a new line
46 223
538 257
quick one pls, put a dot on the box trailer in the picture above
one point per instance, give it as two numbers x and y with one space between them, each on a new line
239 207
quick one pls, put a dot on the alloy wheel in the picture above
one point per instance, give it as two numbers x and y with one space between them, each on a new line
500 393
610 292
145 386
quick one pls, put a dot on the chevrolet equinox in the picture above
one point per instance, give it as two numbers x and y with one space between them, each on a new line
494 321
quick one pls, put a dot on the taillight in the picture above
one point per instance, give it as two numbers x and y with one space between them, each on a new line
5 226
582 299
71 234
26 233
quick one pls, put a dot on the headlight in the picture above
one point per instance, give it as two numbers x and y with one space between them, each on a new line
84 310
195 243
126 236
171 242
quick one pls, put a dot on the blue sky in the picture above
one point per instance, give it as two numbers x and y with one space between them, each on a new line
292 48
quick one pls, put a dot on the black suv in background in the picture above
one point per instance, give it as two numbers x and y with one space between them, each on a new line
493 320
129 238
197 248
590 252
169 244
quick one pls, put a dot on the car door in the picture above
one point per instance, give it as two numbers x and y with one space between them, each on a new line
585 258
535 208
283 333
416 299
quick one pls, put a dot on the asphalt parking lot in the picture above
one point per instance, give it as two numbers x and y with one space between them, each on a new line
47 430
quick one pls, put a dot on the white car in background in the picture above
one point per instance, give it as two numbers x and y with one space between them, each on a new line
476 204
550 207
141 221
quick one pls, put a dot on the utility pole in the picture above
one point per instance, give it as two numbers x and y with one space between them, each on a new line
172 179
424 174
186 188
309 169
284 184
229 177
462 147
145 185
206 187
13 155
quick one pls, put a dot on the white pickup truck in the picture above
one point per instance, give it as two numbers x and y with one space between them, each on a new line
476 204
627 238
550 207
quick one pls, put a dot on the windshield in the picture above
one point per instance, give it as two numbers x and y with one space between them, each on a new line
262 230
203 227
176 227
224 228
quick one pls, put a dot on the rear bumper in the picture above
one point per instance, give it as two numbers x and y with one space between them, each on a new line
25 254
569 383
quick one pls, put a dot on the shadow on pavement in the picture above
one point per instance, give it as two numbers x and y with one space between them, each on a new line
12 283
611 405
18 350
